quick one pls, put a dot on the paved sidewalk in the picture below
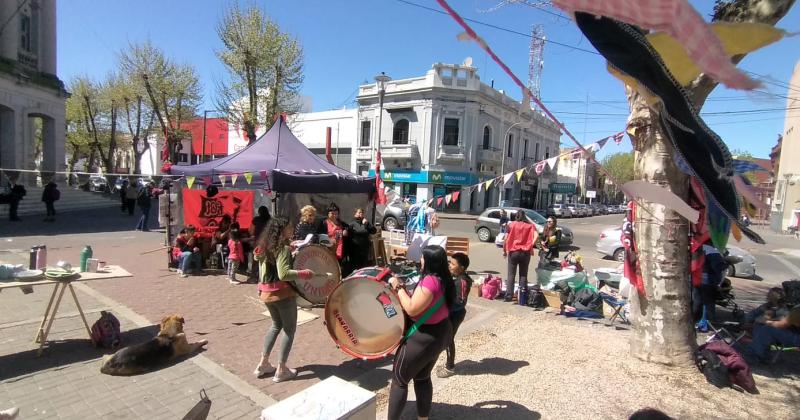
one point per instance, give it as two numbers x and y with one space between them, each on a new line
66 381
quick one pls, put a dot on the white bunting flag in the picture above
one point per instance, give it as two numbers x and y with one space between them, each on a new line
234 177
222 180
551 163
506 177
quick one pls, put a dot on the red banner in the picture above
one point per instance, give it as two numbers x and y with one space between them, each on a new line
205 213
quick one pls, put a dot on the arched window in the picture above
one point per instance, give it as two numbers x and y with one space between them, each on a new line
487 137
400 132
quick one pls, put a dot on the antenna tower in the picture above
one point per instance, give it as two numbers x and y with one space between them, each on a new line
536 62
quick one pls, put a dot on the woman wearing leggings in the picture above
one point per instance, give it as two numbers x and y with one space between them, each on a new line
417 355
518 248
275 271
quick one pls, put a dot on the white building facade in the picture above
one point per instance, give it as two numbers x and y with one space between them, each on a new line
30 89
312 129
785 211
446 131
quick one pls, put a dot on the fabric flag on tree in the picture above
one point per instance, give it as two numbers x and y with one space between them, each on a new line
618 137
381 199
679 19
539 168
520 173
234 177
189 181
222 180
248 176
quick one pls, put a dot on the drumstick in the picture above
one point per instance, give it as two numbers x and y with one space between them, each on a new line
154 250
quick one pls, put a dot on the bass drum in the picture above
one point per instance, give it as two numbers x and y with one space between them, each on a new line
321 261
364 318
375 273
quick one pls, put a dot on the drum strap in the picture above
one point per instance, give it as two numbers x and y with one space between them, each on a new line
424 317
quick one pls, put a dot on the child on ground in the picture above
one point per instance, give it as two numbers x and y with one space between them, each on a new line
235 255
459 262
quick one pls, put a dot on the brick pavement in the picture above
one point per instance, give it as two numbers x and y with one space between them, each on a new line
66 381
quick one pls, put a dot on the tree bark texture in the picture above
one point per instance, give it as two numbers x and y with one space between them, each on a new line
663 329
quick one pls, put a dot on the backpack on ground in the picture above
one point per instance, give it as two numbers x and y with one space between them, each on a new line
712 368
587 299
106 332
536 299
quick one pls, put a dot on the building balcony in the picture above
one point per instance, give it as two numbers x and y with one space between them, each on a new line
451 154
488 169
490 155
408 151
364 153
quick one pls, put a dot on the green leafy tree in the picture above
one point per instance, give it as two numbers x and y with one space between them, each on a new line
265 69
620 166
173 89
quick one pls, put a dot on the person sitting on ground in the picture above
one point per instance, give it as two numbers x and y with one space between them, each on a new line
359 244
308 224
187 252
784 332
274 255
50 195
773 309
458 264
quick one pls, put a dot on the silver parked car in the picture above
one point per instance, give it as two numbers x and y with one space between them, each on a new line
559 210
610 244
575 210
487 225
587 210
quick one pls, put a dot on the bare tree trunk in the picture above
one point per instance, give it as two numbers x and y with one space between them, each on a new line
662 319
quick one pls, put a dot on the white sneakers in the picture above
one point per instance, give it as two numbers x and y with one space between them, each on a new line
9 414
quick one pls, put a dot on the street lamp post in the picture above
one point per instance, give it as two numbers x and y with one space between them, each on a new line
503 164
381 80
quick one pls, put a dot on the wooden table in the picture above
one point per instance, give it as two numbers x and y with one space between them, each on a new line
111 272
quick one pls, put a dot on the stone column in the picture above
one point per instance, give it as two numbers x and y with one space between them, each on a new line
47 36
49 143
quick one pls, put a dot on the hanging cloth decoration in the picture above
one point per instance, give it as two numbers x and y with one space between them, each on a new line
439 201
455 195
539 168
189 181
263 174
222 180
702 150
618 137
658 194
719 224
552 162
234 177
248 176
631 267
744 166
748 193
736 232
520 173
677 18
447 199
506 177
698 232
489 183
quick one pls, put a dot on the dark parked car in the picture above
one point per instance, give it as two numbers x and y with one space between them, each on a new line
487 225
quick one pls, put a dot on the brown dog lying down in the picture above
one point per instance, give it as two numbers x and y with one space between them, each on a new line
144 357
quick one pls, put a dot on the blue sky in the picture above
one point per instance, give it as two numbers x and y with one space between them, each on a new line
348 42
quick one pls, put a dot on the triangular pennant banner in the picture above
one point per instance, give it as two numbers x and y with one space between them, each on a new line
602 143
489 183
552 162
447 199
190 181
539 168
520 173
222 180
618 137
206 180
480 187
248 176
506 177
439 201
455 195
263 174
234 177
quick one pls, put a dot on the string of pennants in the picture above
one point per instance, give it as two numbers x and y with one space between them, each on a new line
536 168
223 178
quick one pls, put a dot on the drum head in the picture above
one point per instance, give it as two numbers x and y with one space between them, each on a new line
321 261
375 272
364 318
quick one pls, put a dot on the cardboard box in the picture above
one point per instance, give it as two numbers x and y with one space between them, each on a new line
553 298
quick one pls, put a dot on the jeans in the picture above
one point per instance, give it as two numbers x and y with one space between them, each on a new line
284 318
704 297
518 260
51 208
233 266
189 260
764 336
142 225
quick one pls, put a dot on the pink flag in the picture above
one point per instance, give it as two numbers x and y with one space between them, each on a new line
617 137
439 201
263 174
455 195
539 168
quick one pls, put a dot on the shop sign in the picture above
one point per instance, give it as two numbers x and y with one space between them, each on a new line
451 178
562 188
402 176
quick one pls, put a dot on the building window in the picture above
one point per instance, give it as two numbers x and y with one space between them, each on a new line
400 132
450 132
366 128
525 149
547 152
536 152
25 33
510 147
487 137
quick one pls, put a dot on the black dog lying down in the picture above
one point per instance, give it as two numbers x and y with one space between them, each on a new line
169 344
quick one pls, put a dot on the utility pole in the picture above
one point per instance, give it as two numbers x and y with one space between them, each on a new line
503 164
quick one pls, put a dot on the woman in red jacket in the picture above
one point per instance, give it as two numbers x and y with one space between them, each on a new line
518 247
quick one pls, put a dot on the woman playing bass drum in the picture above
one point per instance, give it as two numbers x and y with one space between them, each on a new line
428 308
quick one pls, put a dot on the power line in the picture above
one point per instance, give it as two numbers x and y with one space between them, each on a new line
500 28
